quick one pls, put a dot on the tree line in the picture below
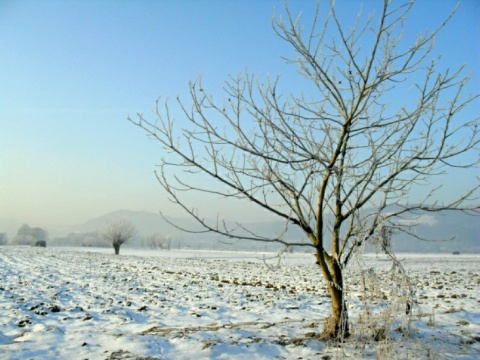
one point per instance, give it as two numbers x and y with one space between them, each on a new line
115 233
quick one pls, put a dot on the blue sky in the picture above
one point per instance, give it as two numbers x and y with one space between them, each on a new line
72 71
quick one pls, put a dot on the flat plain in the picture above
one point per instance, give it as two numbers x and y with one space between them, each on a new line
86 303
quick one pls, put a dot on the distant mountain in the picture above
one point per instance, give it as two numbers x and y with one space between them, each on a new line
439 227
446 232
146 222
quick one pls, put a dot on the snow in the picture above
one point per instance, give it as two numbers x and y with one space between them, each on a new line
86 303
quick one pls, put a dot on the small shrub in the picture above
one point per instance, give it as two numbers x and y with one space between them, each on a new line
41 243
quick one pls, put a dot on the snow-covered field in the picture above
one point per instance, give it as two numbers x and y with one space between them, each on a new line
68 303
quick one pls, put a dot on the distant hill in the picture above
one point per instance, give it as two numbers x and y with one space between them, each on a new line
146 222
439 227
446 231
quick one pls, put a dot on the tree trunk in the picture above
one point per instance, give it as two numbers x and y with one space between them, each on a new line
336 325
117 248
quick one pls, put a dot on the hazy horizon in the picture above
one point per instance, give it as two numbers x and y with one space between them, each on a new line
73 71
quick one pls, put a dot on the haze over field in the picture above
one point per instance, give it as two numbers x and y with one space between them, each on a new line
71 72
443 228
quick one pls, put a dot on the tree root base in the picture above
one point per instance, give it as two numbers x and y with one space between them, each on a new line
335 329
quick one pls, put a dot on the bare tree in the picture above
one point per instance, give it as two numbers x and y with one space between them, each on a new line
383 120
156 241
119 231
27 235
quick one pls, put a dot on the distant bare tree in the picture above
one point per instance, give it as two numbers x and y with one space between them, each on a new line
157 241
27 235
382 121
92 239
119 231
87 239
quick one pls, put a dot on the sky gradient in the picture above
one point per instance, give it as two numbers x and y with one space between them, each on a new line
72 71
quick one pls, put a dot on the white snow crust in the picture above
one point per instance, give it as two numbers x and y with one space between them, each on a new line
86 303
